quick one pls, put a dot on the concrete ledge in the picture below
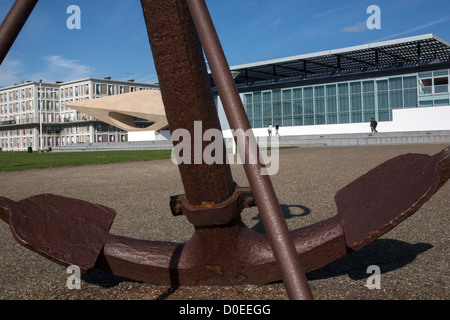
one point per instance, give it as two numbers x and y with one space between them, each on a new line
116 146
331 140
367 139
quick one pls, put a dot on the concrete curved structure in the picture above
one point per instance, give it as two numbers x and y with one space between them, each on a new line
121 110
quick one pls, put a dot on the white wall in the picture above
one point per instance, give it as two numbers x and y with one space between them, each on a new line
137 136
404 120
420 119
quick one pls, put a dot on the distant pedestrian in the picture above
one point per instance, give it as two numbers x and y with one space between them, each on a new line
373 125
276 130
269 130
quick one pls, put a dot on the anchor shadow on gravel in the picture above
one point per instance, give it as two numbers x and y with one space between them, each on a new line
387 254
287 214
103 279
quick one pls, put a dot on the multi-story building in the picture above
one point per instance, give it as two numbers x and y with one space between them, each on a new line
34 114
402 83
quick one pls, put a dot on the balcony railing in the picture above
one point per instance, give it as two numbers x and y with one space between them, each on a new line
434 90
441 89
35 120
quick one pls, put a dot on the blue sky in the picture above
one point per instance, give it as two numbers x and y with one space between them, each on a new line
113 42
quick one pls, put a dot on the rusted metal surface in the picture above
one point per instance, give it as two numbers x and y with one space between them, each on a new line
13 24
213 214
388 194
187 95
65 230
222 250
269 208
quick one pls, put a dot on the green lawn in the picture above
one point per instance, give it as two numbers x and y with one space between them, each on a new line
16 161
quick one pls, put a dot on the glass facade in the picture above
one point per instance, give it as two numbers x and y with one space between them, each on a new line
433 88
346 102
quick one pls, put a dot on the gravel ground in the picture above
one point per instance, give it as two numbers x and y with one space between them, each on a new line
413 257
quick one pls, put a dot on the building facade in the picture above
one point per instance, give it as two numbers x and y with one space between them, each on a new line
34 114
345 102
338 91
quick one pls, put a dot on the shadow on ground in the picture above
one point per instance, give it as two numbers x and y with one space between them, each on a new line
387 254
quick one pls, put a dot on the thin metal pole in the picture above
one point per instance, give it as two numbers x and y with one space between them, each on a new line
13 24
41 145
283 246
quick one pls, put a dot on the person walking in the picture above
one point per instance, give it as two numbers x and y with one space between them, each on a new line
373 125
269 130
276 130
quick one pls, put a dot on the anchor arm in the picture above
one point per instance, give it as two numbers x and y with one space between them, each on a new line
65 230
376 202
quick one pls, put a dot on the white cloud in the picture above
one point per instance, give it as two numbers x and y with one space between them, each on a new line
10 72
60 68
55 68
359 27
276 23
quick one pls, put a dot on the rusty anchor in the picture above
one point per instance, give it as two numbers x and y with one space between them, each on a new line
222 249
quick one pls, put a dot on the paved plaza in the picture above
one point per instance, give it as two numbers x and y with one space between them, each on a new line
413 257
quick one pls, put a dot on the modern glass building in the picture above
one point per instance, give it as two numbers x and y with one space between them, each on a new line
334 103
346 86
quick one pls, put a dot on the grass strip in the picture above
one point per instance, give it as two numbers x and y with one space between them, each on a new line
17 161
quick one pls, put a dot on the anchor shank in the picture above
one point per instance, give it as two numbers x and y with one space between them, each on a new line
187 96
281 241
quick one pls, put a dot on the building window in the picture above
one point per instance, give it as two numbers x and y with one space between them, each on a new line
319 105
441 85
426 86
433 88
308 106
410 92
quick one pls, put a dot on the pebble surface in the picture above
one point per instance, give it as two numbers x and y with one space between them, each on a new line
413 257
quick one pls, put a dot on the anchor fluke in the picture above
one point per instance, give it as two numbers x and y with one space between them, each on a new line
65 230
